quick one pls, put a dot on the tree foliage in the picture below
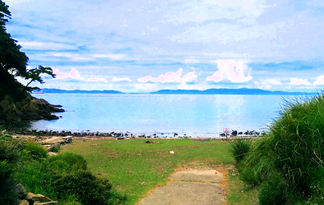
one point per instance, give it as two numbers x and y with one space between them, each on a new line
13 63
34 74
11 58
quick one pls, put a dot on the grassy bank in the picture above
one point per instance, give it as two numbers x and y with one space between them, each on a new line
135 167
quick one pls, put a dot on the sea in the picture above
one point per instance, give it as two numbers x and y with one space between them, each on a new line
163 114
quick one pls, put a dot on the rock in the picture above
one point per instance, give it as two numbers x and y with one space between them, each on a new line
23 202
52 153
47 203
37 197
29 108
21 191
150 142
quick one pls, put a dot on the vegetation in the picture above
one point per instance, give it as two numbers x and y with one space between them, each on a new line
287 164
9 157
240 148
238 192
135 167
65 178
13 62
16 103
55 148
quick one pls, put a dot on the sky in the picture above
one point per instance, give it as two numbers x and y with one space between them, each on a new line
149 45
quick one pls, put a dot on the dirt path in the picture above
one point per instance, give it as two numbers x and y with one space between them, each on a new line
189 187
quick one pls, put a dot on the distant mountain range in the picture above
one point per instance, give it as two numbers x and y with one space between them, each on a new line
221 91
225 91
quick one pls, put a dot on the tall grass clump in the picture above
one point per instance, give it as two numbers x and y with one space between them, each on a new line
240 148
9 157
288 162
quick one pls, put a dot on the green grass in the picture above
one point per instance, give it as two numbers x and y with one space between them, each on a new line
239 193
135 167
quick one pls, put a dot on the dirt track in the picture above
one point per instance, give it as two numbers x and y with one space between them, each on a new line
189 187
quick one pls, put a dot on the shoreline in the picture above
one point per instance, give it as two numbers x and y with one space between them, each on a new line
113 135
160 135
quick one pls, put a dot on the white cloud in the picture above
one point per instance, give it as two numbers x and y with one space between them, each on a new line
171 77
229 55
70 55
73 74
145 87
224 33
275 82
115 79
97 80
268 84
38 45
207 10
191 60
230 70
319 80
299 81
110 56
263 85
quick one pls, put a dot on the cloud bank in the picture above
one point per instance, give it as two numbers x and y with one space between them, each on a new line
230 70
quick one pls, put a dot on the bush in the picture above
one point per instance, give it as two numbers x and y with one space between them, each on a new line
66 178
240 148
86 187
273 191
36 178
35 150
72 162
286 161
55 148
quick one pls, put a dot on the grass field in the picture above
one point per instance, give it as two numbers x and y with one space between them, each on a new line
135 167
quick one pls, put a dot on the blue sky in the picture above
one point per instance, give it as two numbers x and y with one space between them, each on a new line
142 46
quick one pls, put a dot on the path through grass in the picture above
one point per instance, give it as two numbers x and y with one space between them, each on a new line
135 167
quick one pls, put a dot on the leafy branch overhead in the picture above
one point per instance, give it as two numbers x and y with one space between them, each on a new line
35 74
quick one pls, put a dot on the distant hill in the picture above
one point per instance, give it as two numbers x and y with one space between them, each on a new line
225 91
221 91
48 90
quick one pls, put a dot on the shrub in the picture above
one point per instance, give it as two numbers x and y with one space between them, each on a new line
273 191
240 148
86 187
55 148
73 162
286 161
66 178
35 150
36 178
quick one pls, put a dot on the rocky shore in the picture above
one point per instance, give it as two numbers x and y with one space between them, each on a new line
30 108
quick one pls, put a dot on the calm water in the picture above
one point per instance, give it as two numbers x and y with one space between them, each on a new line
193 115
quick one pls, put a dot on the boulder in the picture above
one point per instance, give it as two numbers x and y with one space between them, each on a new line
21 191
37 198
23 202
52 153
